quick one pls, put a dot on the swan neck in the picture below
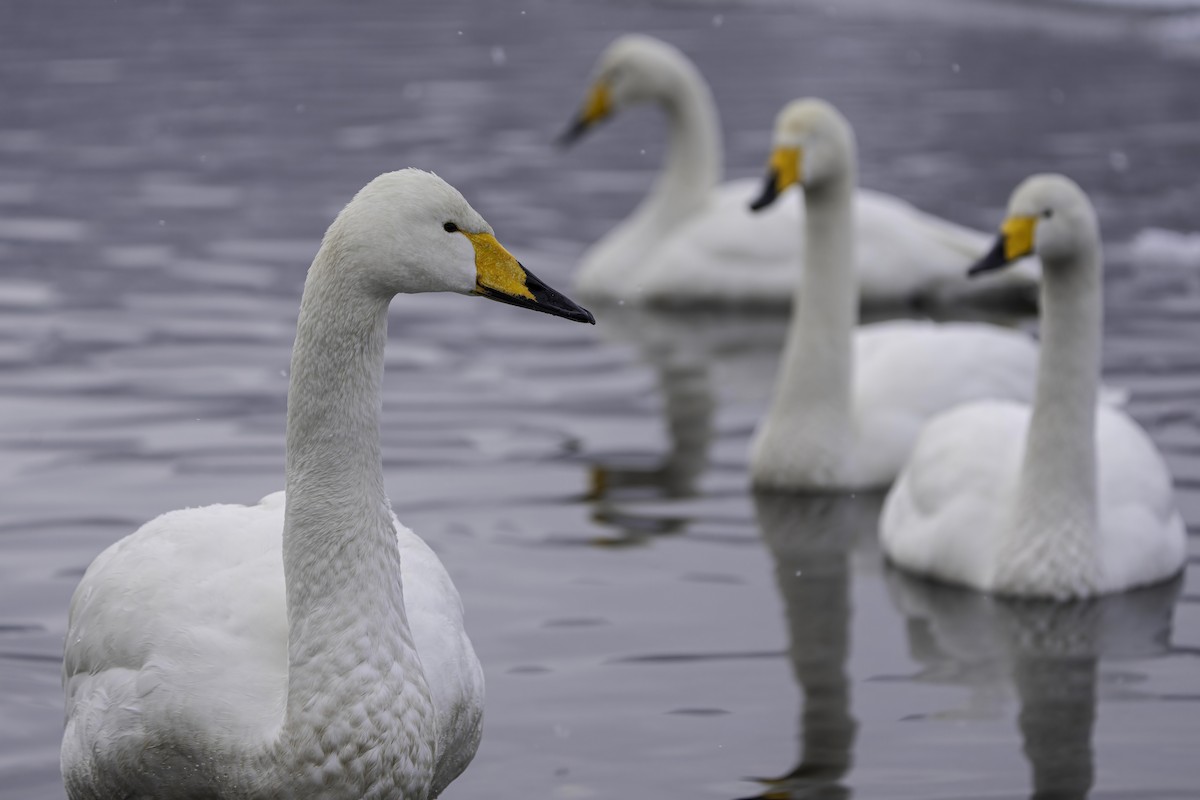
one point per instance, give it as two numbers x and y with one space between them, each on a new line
1053 537
818 361
693 162
348 637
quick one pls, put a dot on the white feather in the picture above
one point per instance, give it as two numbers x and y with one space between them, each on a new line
849 402
310 645
1062 499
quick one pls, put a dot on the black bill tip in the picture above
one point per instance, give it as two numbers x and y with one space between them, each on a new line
993 260
769 193
574 132
545 299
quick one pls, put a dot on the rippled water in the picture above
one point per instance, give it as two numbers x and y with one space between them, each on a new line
649 628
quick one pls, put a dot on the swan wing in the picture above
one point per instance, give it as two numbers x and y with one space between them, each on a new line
727 254
1142 535
176 649
730 255
452 670
908 371
921 368
944 512
903 252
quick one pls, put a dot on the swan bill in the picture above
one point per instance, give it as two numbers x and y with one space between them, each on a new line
1015 242
499 276
1018 236
782 171
596 108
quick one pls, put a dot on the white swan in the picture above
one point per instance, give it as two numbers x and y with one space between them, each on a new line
313 646
1065 500
847 404
694 242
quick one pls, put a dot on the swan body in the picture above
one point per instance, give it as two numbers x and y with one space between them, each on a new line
848 403
904 373
692 240
1062 499
309 645
731 256
228 666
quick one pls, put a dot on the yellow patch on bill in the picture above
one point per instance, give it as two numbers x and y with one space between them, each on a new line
785 163
598 104
1018 237
496 268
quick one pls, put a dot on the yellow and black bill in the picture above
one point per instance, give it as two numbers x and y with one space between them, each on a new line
1014 243
499 276
596 107
783 170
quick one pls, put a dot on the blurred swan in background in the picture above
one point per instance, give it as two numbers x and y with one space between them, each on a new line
310 646
703 360
1049 651
693 241
1065 499
848 403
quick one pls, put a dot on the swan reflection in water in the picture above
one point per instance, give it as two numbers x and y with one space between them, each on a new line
1048 651
810 539
703 360
710 363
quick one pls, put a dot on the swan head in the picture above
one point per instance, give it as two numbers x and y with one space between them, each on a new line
410 231
813 147
1048 215
633 69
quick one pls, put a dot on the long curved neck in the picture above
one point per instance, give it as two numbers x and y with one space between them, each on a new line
694 160
349 644
1052 539
815 386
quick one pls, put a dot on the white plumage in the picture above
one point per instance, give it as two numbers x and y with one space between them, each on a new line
694 241
1062 499
848 403
184 624
310 645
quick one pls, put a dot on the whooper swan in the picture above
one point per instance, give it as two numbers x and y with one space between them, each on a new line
848 404
692 240
310 646
1066 499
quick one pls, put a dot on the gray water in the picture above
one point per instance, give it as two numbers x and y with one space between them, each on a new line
649 628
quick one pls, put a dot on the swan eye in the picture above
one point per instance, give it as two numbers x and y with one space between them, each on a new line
450 227
1048 213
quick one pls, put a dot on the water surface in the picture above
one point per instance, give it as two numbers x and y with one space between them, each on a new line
648 626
